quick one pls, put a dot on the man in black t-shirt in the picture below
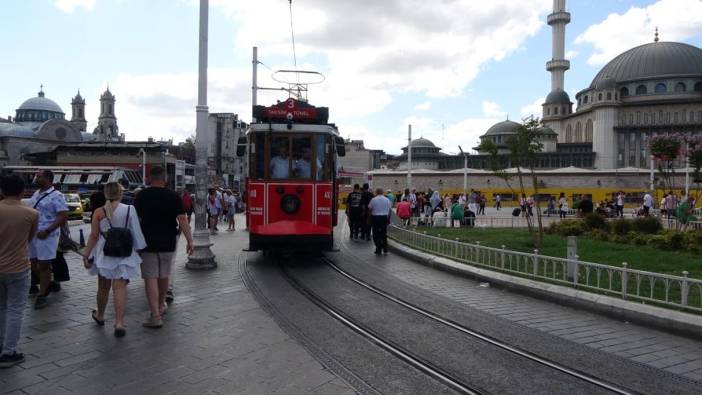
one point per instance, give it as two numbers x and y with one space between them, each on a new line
354 210
162 216
586 206
366 197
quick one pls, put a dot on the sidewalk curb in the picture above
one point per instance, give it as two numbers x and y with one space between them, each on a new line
677 322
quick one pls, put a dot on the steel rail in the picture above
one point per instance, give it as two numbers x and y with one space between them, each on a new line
526 354
398 351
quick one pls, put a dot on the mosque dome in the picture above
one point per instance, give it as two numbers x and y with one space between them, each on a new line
606 83
504 127
653 60
422 142
557 97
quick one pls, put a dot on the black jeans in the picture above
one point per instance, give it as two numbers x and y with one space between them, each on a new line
355 223
620 211
380 228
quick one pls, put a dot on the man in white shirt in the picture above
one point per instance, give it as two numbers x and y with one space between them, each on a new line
280 163
647 203
380 209
620 204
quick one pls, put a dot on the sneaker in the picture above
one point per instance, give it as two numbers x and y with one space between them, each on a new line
169 296
33 290
377 251
9 360
54 286
163 309
152 323
41 302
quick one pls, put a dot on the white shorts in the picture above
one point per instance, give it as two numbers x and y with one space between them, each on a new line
44 250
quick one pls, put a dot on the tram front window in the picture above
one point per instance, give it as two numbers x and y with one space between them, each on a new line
302 157
280 159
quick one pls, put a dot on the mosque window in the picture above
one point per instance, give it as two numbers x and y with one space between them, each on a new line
661 120
638 117
643 154
661 88
563 110
646 119
698 87
680 87
569 134
599 97
578 133
699 116
624 91
609 95
555 110
548 110
653 118
615 97
80 113
621 140
675 117
585 100
667 117
691 117
641 90
632 149
631 119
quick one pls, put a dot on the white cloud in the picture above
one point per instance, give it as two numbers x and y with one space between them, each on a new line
675 19
423 106
70 5
571 54
532 109
492 110
390 46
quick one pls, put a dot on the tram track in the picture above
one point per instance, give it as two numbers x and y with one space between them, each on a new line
465 381
613 388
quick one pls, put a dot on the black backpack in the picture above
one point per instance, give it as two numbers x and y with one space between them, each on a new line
118 241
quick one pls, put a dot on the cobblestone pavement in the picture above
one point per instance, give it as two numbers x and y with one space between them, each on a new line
671 353
215 339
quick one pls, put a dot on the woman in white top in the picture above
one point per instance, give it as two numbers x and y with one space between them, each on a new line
113 272
563 205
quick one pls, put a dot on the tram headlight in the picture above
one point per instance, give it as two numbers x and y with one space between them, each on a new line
290 204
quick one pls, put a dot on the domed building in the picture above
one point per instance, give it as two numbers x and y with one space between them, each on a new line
650 89
425 155
40 125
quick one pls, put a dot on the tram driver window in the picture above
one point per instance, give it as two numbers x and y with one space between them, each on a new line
280 158
302 157
256 156
322 148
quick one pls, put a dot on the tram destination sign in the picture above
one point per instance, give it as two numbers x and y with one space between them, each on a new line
292 110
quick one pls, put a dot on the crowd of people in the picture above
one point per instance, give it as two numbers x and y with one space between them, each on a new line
132 234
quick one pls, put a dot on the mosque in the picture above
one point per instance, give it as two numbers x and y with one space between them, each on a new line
40 125
650 89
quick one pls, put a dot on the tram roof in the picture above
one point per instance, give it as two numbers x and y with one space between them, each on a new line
293 128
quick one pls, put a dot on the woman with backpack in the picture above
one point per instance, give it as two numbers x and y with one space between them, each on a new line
111 253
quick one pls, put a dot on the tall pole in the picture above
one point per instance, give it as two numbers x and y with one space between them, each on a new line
254 88
409 157
687 170
202 257
652 181
465 171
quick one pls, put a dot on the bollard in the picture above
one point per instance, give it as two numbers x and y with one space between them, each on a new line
82 238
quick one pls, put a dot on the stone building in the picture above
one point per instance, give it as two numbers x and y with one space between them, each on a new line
40 125
224 130
650 89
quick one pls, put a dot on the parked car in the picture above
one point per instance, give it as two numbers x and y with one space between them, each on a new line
75 206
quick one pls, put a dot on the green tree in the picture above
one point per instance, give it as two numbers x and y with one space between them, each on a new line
523 148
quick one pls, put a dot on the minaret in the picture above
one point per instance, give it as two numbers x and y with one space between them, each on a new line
107 129
557 102
558 64
78 112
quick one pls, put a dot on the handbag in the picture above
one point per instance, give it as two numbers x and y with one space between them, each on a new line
66 243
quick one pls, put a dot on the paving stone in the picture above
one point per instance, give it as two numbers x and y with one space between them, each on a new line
215 332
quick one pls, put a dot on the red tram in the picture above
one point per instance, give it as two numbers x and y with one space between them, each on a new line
292 182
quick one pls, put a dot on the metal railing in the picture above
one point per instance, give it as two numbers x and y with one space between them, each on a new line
668 290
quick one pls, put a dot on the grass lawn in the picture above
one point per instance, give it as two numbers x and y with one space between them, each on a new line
637 257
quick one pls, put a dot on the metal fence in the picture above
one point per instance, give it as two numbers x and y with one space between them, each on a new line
668 290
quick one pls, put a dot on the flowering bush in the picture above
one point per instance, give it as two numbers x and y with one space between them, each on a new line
666 147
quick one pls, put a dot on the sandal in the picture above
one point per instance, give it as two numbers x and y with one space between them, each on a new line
97 321
152 323
120 332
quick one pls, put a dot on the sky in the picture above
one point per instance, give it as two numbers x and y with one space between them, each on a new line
451 68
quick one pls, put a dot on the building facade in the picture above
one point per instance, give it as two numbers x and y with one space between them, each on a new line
224 130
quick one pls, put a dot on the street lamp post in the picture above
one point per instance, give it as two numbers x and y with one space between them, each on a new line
409 157
465 171
202 256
